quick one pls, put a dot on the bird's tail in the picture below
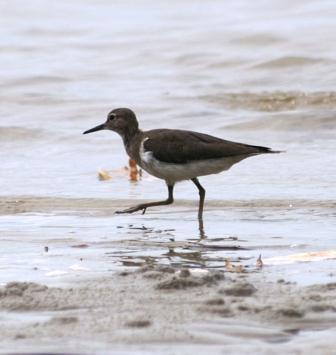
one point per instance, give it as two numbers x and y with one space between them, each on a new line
275 151
268 150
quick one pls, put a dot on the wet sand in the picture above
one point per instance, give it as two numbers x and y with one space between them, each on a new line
103 207
160 309
155 291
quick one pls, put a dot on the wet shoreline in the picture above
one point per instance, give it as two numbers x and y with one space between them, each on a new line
32 204
84 237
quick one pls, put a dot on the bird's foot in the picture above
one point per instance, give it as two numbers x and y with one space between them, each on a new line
133 209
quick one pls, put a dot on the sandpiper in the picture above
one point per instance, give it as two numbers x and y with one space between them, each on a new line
175 155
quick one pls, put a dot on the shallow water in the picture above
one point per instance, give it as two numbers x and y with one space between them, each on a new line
95 242
258 73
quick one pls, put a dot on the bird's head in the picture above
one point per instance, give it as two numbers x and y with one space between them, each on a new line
120 120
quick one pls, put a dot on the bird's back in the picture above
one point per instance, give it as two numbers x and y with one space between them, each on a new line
181 146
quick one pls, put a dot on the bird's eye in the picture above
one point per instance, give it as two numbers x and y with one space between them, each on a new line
112 116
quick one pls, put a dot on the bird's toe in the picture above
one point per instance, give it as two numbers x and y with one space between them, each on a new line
129 210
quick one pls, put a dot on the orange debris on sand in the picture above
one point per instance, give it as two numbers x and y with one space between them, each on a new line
134 172
132 169
104 175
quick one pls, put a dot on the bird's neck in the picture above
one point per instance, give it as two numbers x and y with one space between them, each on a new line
129 138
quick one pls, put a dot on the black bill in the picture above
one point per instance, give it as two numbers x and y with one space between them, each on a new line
95 129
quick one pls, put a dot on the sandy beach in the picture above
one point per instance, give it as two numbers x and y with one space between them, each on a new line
165 310
167 296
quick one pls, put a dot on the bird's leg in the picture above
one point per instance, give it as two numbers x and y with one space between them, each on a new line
144 206
201 229
201 191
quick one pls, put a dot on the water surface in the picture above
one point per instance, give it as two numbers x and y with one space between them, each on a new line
260 73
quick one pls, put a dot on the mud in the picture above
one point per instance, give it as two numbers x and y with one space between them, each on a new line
133 308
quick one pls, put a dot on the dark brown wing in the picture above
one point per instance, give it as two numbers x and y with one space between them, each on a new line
178 146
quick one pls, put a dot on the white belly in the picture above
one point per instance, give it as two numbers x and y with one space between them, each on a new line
177 172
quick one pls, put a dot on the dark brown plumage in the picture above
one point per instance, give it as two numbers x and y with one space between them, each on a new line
175 155
179 146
